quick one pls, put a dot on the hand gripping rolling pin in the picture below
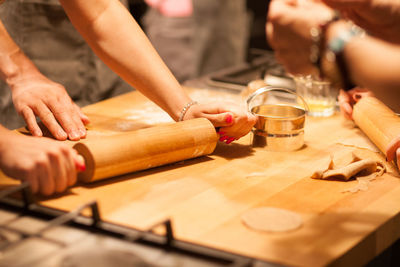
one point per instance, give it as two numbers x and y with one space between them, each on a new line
377 121
146 148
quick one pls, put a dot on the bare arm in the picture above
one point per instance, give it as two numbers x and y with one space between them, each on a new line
372 63
118 40
35 95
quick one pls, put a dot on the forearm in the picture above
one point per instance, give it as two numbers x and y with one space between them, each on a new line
371 63
4 137
14 65
117 39
374 64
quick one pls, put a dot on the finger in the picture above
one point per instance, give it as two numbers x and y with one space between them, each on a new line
32 179
398 157
71 165
241 127
220 120
46 180
78 122
346 110
391 149
230 140
30 119
59 170
343 96
223 138
85 119
68 118
237 131
358 95
80 119
50 122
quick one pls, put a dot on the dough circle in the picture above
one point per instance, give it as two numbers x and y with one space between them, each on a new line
272 219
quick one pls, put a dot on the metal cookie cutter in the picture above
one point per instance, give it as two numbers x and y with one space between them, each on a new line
280 118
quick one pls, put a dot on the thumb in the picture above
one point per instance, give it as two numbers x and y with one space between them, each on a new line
220 120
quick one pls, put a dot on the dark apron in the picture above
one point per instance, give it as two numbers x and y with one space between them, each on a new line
43 31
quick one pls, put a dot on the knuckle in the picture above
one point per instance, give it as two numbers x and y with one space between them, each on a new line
25 111
42 161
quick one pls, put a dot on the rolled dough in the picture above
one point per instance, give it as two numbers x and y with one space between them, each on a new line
271 219
349 167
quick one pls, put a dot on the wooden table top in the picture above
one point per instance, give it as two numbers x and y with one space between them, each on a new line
205 197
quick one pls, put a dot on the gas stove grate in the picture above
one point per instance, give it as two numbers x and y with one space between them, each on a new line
25 205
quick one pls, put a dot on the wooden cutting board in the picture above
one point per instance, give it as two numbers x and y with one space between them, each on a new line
205 197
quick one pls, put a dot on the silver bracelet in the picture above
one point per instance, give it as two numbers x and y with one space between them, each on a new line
185 109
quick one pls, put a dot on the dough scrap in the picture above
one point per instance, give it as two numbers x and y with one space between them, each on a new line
323 165
271 219
366 165
363 182
348 167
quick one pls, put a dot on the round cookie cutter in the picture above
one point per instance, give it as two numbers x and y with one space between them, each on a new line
280 116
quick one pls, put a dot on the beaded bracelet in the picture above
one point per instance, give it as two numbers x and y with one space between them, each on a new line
317 37
185 109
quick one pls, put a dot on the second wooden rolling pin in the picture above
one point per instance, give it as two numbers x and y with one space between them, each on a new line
146 148
377 121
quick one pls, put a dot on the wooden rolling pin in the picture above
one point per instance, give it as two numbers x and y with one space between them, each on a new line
146 148
377 121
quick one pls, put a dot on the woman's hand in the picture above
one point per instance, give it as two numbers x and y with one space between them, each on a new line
49 166
288 29
38 96
232 119
349 98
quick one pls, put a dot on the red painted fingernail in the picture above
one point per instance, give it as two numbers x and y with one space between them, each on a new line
80 167
228 118
221 133
230 140
223 138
